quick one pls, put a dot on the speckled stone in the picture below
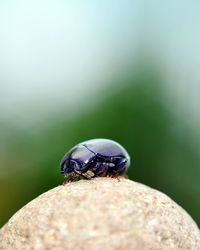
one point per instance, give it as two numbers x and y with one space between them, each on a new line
98 214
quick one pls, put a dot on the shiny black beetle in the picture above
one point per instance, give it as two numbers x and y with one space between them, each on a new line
92 158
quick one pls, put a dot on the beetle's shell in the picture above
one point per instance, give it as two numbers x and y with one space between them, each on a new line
105 147
81 153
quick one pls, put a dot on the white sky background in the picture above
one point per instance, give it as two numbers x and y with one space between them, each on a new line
56 53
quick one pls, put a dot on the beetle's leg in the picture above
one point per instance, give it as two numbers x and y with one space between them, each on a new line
88 175
85 176
101 169
119 169
68 178
80 175
75 176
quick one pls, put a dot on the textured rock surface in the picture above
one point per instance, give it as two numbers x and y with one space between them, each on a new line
101 213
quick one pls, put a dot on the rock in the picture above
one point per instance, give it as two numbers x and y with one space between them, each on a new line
101 213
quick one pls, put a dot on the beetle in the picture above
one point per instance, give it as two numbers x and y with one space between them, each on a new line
95 158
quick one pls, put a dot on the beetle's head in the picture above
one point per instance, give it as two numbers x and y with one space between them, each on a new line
67 166
76 161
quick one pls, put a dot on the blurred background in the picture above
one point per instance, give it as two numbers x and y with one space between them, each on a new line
76 70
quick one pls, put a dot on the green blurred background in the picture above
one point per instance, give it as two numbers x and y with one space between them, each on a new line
72 71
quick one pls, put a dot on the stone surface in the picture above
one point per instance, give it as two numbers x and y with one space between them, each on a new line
101 213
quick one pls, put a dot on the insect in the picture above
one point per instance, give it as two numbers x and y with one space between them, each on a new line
96 157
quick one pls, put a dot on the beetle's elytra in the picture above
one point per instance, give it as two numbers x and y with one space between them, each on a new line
96 157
